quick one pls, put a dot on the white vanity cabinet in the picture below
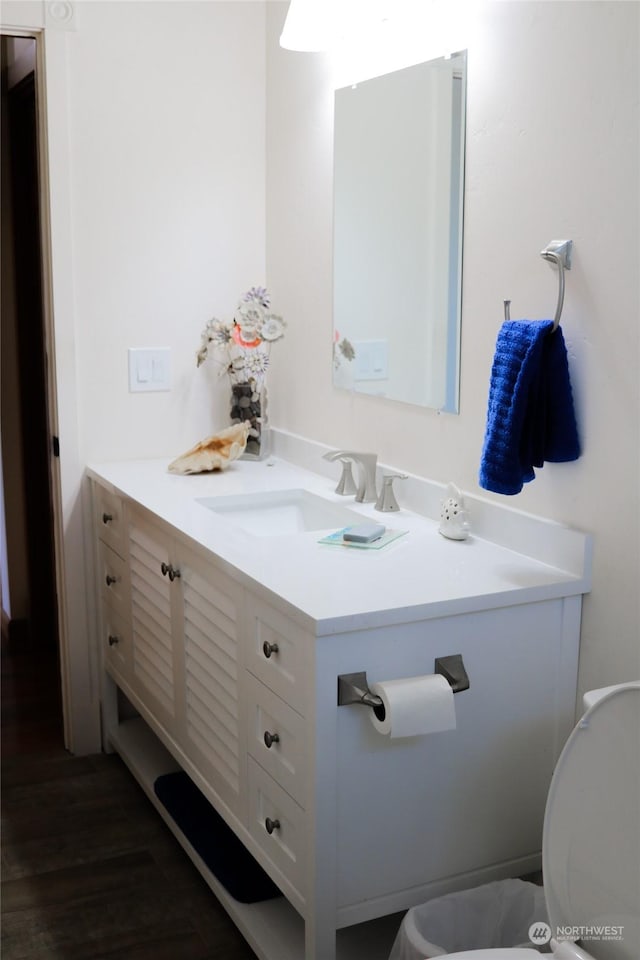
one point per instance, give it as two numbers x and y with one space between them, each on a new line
279 662
231 681
182 669
113 581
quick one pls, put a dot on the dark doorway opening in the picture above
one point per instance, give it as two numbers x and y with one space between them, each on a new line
31 637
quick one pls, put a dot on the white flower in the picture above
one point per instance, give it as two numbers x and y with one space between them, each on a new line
259 295
272 328
256 363
218 333
250 317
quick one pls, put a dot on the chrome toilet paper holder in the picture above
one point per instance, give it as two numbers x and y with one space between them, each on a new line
452 669
354 688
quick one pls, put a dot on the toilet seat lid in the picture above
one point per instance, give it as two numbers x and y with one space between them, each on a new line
591 837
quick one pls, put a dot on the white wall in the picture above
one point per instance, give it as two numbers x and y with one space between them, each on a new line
167 112
552 152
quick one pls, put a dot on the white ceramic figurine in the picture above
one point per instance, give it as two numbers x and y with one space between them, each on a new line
454 518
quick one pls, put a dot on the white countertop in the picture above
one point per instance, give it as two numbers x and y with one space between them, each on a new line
330 588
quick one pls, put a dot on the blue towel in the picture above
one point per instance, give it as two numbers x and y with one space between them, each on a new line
530 417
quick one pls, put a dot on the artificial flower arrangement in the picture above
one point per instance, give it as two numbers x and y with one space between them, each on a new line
245 341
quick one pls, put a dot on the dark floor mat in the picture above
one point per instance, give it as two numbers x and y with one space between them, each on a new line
215 842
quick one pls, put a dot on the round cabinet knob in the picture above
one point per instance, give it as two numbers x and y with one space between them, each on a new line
113 641
164 567
270 738
173 574
107 518
269 648
109 579
271 825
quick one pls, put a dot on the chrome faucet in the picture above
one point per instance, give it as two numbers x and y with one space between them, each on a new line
366 492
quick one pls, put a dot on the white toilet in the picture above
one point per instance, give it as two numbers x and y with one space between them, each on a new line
591 838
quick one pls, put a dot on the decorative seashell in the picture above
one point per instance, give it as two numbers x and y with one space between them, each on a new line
214 453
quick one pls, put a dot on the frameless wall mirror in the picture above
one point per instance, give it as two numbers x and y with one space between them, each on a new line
398 205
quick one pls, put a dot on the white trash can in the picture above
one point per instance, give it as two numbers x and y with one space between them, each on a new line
497 914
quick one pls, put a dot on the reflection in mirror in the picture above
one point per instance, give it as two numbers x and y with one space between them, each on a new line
398 204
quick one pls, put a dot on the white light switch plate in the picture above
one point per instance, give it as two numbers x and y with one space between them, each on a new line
149 369
371 359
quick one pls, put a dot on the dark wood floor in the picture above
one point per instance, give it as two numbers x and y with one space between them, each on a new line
89 870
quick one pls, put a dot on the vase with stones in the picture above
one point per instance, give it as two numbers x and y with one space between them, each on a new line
249 402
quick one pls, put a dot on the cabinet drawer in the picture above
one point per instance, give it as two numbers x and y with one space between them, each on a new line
271 721
109 518
271 808
113 577
276 652
116 641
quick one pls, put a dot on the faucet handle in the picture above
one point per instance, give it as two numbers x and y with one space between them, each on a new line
346 485
387 502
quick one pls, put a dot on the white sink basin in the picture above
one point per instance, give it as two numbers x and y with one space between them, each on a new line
281 512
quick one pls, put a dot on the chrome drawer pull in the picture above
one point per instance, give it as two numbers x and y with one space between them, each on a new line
113 641
271 825
107 518
270 738
269 648
109 579
164 567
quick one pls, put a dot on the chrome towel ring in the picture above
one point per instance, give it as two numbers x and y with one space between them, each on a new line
558 252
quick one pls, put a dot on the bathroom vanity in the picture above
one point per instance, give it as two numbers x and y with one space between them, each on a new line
220 651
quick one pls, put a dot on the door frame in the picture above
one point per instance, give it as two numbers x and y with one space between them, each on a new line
49 24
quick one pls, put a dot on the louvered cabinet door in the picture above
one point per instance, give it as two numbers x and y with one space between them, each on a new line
210 605
152 620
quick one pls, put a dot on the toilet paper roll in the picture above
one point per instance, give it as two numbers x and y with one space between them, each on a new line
414 706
